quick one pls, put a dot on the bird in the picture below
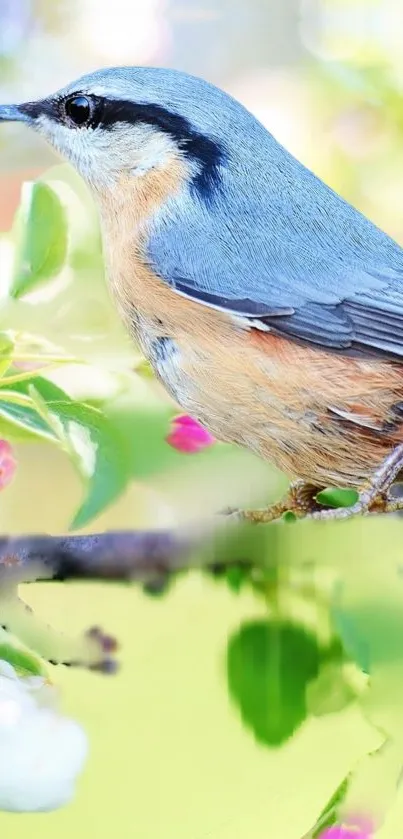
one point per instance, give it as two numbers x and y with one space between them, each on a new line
268 306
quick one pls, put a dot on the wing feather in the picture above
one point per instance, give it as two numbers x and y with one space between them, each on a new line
298 259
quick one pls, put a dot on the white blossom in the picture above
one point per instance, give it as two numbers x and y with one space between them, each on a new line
41 751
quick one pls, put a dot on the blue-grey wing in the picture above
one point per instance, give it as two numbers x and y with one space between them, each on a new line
301 262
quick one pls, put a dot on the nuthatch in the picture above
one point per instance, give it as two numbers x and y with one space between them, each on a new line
271 309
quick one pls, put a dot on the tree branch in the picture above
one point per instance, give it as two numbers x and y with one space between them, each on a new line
142 555
112 556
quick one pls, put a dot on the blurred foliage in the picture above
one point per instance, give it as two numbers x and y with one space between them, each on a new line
23 662
40 238
329 813
269 665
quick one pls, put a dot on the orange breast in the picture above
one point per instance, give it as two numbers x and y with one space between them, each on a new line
326 418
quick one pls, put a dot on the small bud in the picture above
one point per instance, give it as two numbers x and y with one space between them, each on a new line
188 436
344 831
8 464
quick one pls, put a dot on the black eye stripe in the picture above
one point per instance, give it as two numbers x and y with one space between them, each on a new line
106 113
207 152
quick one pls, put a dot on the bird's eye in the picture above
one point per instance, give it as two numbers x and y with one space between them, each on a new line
78 110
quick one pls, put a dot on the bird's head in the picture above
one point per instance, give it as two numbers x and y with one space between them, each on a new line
128 120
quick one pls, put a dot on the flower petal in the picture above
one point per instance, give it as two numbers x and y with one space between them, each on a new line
187 435
345 832
8 463
41 752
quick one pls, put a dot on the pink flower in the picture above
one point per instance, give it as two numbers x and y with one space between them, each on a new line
7 464
188 436
347 832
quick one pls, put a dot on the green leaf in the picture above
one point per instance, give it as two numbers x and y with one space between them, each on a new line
336 497
16 433
24 423
98 452
41 234
24 662
268 668
47 389
16 378
19 416
19 410
328 815
89 438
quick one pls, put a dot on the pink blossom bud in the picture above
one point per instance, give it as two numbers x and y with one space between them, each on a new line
188 436
7 463
348 832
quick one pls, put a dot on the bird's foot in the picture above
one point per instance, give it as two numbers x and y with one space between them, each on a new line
299 500
374 497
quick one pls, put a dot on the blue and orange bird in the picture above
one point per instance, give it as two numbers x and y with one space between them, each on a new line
270 308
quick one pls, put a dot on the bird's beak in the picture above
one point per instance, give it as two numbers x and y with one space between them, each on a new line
13 113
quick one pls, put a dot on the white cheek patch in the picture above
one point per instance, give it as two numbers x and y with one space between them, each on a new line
54 132
151 148
101 155
72 144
